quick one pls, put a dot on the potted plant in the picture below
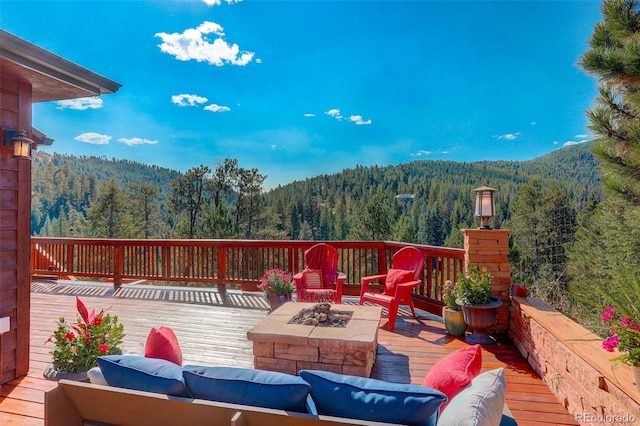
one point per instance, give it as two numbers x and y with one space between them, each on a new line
79 344
624 336
452 314
277 286
473 293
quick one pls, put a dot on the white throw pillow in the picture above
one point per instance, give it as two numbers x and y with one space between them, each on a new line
96 377
479 404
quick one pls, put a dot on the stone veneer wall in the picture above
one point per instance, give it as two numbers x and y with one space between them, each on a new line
571 361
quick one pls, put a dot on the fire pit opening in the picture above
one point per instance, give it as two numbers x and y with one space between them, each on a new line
322 315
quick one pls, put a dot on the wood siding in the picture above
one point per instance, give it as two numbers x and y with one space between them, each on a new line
15 230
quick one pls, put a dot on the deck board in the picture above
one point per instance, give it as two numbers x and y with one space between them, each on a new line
212 332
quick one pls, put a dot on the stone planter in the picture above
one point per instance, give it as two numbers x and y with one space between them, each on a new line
51 372
480 318
277 300
454 321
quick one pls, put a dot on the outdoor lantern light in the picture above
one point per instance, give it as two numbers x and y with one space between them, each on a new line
18 140
485 205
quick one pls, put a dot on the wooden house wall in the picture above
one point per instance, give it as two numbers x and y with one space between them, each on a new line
15 230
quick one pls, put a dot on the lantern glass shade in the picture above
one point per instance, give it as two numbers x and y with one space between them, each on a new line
21 147
485 205
18 141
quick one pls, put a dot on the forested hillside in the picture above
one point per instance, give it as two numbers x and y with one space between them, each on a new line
64 186
442 196
436 197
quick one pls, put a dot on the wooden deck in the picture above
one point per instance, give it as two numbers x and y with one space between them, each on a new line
212 331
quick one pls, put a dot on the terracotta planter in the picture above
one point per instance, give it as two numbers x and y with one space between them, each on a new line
454 321
480 318
277 300
51 372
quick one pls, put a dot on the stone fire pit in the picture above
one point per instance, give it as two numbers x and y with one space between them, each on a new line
282 345
322 315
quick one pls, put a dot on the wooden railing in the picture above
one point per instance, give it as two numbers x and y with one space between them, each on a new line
222 262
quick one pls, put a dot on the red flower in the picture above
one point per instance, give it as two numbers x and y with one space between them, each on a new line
103 348
97 321
70 336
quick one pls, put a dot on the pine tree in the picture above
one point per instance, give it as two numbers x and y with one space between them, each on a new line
190 198
107 217
614 57
604 262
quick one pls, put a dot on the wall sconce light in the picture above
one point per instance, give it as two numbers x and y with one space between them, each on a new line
18 141
485 205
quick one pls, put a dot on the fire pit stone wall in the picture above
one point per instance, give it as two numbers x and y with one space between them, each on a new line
281 346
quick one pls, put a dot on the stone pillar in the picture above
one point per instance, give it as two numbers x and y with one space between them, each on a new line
489 248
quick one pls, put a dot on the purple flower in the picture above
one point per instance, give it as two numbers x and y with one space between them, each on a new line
610 344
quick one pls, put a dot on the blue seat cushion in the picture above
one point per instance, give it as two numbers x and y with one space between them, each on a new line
361 398
259 388
143 374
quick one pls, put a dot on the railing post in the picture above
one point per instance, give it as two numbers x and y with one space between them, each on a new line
118 266
489 248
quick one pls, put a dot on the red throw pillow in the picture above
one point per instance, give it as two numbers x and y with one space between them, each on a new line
455 371
162 343
395 277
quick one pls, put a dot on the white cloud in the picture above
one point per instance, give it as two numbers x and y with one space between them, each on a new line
569 143
582 136
136 141
508 136
533 123
93 138
335 113
219 2
184 100
358 120
217 108
258 61
309 115
193 44
273 146
556 142
421 153
80 103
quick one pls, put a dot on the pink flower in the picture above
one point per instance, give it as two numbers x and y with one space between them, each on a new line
70 336
608 314
634 326
610 344
97 321
103 348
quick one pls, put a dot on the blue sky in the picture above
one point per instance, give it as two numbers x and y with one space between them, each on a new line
302 88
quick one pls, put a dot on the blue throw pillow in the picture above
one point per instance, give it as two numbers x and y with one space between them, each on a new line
143 374
259 388
354 397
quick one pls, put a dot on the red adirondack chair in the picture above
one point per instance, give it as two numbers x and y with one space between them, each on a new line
320 280
405 273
